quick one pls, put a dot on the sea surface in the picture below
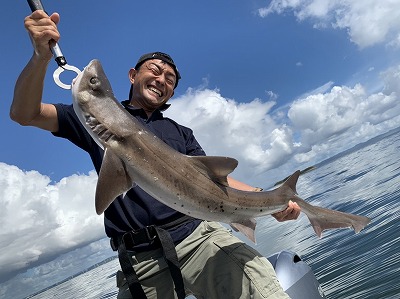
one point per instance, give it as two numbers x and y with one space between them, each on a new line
364 180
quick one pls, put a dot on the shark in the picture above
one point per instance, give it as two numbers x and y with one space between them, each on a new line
193 185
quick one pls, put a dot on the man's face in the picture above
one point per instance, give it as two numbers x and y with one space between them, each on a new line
153 84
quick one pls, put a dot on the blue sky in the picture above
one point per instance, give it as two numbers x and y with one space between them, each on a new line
279 85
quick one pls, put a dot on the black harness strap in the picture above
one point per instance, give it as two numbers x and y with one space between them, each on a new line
171 257
131 277
148 235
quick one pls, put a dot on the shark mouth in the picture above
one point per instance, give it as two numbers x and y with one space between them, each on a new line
103 133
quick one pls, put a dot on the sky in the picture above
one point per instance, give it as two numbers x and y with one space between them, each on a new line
279 85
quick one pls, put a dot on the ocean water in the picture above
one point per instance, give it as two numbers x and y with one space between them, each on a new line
364 180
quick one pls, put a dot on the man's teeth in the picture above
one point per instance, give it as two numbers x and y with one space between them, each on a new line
156 91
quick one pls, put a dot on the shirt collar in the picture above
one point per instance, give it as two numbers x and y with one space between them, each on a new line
157 114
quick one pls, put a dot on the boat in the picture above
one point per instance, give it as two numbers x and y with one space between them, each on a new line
296 276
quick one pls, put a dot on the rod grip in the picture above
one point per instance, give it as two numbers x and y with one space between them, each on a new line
55 49
35 5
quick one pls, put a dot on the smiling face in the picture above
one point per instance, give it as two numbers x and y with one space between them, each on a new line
152 85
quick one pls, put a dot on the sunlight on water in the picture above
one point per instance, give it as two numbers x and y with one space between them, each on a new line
365 265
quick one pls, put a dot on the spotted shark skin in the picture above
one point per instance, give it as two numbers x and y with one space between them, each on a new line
195 186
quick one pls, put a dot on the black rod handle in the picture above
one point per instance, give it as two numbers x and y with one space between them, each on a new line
35 5
55 48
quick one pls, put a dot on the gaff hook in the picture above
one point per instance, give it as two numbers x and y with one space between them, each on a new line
57 54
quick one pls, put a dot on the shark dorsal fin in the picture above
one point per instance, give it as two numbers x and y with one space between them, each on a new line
217 167
292 181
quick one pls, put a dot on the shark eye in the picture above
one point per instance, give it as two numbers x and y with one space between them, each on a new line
94 80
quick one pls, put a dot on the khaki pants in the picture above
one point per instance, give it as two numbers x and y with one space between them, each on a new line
214 264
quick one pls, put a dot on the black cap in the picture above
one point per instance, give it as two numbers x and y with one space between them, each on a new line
162 56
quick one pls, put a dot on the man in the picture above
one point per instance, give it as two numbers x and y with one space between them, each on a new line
213 263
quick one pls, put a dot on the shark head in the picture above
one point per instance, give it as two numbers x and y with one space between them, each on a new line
90 84
91 95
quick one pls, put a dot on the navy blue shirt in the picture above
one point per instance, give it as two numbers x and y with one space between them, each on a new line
136 209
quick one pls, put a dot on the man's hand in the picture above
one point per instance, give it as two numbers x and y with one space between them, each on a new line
292 212
42 30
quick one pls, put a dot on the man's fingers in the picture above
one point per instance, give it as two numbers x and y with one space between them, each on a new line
292 212
42 29
55 17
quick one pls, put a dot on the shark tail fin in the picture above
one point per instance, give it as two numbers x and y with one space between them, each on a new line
246 227
322 219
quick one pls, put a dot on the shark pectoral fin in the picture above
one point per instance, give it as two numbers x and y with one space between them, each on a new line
246 227
216 167
113 180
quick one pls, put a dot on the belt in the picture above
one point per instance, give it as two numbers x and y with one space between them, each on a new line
145 235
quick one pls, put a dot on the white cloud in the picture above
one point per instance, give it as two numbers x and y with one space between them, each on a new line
320 89
224 127
343 117
391 78
321 115
40 220
316 126
368 22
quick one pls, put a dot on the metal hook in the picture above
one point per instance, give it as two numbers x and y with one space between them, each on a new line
59 70
55 49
